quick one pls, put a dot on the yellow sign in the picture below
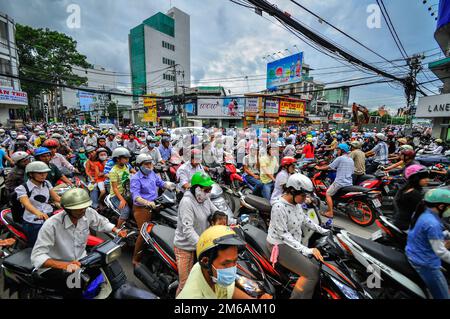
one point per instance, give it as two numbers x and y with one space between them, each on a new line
150 103
292 108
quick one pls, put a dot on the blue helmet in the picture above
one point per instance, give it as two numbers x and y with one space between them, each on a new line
41 151
344 147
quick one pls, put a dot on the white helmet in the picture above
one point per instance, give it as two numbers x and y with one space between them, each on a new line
18 156
37 167
21 137
380 136
121 152
143 158
300 183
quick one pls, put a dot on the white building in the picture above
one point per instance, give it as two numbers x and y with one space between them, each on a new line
160 53
12 99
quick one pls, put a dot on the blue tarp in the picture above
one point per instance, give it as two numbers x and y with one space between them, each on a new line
444 13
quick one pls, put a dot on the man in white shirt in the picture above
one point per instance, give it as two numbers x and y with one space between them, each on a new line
188 169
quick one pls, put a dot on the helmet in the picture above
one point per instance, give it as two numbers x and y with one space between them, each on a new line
406 147
286 161
13 134
90 132
21 138
37 167
215 236
165 140
120 152
201 179
150 139
438 196
415 169
439 141
41 133
90 149
51 143
41 151
344 147
402 141
102 137
101 149
309 139
18 156
76 198
143 158
355 144
57 136
300 183
304 133
2 131
380 136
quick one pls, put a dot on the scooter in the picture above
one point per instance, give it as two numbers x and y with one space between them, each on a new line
360 204
389 234
110 283
159 272
385 271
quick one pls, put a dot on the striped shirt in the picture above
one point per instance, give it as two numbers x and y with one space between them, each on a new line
381 153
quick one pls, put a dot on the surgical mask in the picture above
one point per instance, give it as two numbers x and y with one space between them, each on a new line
226 276
145 170
200 195
151 145
446 213
103 158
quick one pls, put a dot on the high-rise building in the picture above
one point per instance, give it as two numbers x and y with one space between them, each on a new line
160 53
12 99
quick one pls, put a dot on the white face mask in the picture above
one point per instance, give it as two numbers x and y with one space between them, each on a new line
103 158
200 195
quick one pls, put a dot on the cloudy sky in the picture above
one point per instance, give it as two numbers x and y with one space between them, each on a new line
230 41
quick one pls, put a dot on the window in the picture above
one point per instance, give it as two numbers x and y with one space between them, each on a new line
168 46
168 61
169 77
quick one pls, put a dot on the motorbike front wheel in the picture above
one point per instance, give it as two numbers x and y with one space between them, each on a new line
362 213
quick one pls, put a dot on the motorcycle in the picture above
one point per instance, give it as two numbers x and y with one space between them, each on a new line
360 204
159 272
384 271
111 281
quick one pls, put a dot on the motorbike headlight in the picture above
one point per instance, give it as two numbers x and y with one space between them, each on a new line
350 293
113 254
251 287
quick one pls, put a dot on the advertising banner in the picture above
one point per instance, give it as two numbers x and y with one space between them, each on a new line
87 101
272 107
252 105
13 97
233 107
150 110
287 70
229 107
292 108
338 117
168 109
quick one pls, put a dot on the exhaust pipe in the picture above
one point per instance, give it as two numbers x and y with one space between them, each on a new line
150 280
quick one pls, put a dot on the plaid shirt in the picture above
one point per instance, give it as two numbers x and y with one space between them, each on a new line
381 153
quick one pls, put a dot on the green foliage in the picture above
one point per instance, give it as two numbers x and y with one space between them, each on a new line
48 56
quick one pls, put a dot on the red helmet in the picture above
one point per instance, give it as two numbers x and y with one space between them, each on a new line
304 133
408 153
286 161
51 143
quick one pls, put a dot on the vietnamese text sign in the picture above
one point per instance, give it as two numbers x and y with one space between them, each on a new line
287 70
150 112
434 106
292 108
13 97
252 105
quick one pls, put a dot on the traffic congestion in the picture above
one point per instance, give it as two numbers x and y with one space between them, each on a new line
211 213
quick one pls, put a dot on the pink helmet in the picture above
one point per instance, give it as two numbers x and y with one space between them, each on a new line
414 169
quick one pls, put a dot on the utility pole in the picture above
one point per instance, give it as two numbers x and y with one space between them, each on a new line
175 93
411 87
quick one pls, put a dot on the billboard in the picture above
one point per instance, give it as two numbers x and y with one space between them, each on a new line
287 70
87 101
11 96
252 105
444 13
229 107
292 108
168 109
272 107
150 111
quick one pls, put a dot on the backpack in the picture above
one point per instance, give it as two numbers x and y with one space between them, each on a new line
17 208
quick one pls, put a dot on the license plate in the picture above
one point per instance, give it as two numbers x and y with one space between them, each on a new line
386 189
376 202
376 235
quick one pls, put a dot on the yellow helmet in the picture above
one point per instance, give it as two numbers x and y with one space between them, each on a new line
309 139
215 236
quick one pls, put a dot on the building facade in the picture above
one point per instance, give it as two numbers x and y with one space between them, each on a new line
160 53
12 99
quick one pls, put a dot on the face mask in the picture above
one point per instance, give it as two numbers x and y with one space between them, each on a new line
200 195
151 145
103 158
145 170
225 277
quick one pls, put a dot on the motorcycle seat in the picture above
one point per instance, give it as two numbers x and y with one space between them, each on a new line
350 189
259 203
164 236
389 256
10 220
20 261
257 239
366 178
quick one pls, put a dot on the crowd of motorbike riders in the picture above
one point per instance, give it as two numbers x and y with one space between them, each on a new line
120 165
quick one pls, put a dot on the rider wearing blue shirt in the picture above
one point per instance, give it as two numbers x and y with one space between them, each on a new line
426 247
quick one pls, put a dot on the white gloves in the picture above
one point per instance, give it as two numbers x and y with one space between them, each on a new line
170 186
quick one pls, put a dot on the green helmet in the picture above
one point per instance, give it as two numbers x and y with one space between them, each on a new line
438 196
76 198
37 167
201 179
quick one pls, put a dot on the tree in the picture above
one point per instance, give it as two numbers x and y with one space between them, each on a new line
48 56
